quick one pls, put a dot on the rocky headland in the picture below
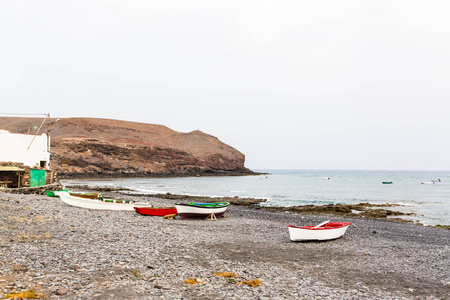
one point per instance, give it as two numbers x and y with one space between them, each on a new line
91 147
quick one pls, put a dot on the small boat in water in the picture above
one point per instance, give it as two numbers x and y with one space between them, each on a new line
387 182
435 179
326 178
100 203
427 182
201 210
156 211
322 232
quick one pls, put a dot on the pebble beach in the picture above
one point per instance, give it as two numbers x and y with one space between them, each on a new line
63 252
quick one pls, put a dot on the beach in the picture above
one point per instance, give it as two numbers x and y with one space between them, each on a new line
67 252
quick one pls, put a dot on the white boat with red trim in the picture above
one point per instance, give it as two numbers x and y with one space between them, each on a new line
322 232
100 203
201 210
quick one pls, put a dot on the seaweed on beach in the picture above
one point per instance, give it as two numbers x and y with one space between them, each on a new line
28 294
253 283
194 280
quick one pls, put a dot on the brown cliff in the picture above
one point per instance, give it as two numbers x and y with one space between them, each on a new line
89 147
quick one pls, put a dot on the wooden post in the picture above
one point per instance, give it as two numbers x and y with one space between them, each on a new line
211 217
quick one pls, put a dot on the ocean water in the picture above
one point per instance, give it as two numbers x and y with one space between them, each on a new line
429 202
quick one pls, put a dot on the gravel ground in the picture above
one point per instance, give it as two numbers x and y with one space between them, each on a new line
73 253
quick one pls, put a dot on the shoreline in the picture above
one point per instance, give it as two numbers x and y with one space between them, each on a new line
363 209
70 176
76 253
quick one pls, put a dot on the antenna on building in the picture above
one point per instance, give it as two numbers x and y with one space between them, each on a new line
47 116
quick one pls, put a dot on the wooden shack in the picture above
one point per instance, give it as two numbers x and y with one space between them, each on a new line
18 175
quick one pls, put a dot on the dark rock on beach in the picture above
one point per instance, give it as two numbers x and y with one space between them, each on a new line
368 210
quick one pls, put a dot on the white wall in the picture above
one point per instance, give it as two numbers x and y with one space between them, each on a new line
13 147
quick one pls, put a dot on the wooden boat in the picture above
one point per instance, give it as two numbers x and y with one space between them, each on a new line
52 193
100 203
427 182
201 210
387 182
85 195
322 232
156 211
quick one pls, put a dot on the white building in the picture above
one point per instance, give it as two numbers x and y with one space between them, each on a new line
31 150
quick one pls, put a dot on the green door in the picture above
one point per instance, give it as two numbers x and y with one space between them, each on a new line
37 177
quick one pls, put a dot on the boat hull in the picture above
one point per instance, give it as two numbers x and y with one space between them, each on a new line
98 204
85 195
189 211
54 193
156 211
329 231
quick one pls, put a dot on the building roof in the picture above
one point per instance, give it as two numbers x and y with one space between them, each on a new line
10 168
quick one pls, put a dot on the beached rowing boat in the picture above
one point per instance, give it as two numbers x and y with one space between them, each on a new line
54 193
85 195
101 203
201 210
322 232
156 211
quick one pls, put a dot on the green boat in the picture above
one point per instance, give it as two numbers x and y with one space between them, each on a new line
52 193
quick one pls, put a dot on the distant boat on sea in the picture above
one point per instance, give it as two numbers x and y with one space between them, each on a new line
387 182
435 179
326 178
427 182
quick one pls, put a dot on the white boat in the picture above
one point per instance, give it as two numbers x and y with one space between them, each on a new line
107 204
322 232
435 179
326 178
57 193
201 210
427 182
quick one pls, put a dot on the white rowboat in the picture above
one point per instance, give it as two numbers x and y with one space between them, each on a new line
322 232
107 204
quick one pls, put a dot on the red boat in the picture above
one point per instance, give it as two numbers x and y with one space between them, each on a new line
156 211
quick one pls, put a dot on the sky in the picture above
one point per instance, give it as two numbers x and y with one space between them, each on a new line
291 84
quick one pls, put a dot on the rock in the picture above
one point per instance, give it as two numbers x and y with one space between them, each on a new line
62 291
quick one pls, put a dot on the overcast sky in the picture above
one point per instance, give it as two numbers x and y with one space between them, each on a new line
291 84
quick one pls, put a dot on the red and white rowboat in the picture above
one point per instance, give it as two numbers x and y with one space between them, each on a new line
322 232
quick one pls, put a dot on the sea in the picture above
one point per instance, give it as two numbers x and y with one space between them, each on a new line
430 203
